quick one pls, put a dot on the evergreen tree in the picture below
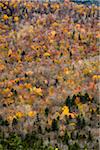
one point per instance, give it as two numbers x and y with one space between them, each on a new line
54 125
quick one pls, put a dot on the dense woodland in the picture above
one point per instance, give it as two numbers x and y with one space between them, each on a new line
49 76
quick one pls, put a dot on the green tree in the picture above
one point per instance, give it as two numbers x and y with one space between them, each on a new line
54 125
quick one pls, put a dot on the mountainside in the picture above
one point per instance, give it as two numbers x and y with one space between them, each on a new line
49 76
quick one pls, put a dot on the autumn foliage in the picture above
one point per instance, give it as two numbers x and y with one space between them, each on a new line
49 73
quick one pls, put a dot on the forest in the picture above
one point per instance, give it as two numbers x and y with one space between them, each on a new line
49 75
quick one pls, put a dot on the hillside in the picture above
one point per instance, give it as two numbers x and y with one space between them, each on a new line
49 76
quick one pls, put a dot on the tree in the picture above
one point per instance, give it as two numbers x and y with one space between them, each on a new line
46 111
54 125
